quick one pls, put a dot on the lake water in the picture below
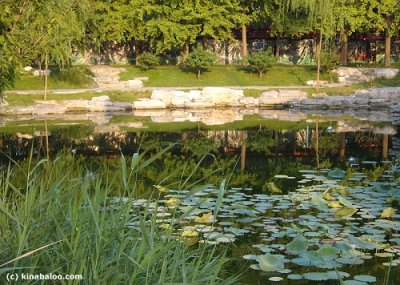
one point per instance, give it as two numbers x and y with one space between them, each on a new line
279 167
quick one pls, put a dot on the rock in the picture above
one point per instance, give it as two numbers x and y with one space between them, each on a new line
42 109
41 72
293 94
126 106
19 110
248 101
166 95
149 104
143 78
199 104
179 101
386 73
135 83
104 99
28 68
357 75
76 105
270 94
194 95
315 82
220 117
221 96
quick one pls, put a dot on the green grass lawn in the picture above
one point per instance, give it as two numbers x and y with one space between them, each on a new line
170 76
29 82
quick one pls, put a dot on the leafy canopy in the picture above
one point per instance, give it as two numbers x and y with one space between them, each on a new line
262 61
199 61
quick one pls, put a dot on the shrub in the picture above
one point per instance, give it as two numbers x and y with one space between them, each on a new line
261 61
329 61
76 75
148 60
199 61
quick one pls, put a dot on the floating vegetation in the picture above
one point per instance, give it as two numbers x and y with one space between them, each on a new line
308 234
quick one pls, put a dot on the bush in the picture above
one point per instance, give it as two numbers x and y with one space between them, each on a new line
148 60
76 75
261 61
329 61
199 61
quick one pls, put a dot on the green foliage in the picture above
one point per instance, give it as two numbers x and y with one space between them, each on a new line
76 75
199 61
329 61
148 60
262 61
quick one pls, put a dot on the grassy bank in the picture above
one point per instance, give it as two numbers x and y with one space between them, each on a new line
57 217
231 75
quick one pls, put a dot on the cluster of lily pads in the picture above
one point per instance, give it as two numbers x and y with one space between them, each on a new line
323 225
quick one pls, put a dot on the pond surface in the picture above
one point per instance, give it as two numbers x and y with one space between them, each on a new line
302 198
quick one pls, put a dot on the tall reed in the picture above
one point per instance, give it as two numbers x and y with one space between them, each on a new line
57 217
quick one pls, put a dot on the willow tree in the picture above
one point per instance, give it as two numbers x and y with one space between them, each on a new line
320 18
40 30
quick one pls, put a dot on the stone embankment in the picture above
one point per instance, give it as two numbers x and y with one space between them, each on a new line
363 99
210 97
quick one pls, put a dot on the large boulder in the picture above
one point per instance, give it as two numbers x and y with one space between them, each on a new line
179 101
248 101
76 105
135 83
149 104
221 96
42 109
166 96
282 97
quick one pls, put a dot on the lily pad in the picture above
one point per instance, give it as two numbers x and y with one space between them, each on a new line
365 278
298 245
271 262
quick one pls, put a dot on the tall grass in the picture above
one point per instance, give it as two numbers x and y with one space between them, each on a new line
57 217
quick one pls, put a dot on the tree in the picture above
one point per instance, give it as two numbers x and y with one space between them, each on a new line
199 61
382 15
349 17
43 30
262 61
148 60
320 18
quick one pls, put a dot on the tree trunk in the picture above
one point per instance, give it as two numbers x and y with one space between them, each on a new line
342 146
137 53
260 74
243 157
388 40
46 66
244 44
318 55
317 144
185 50
46 130
344 48
198 74
277 48
385 146
205 43
226 47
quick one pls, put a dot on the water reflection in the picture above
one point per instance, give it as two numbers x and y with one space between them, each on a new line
254 154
